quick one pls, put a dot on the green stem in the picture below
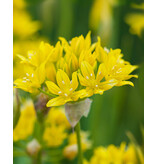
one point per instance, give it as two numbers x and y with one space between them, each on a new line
80 154
49 94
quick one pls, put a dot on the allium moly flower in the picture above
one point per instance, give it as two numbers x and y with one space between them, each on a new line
71 150
57 116
54 135
94 84
56 126
65 89
23 25
57 66
78 44
38 56
32 80
114 155
25 125
136 20
115 67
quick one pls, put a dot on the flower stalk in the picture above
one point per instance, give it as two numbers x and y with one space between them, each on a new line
80 154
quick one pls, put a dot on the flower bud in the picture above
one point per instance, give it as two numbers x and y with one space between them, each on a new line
33 147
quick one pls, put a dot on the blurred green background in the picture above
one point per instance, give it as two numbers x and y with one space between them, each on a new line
120 109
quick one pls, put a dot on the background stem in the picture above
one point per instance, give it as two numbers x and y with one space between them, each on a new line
80 154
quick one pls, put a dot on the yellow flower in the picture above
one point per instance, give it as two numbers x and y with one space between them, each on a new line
25 125
57 116
32 80
94 85
56 125
54 135
71 150
130 155
98 69
51 72
115 67
38 57
136 20
78 44
23 26
101 18
65 89
114 155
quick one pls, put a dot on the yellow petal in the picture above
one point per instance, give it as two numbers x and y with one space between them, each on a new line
62 79
125 83
84 93
83 81
108 84
74 83
53 88
101 72
87 70
88 40
40 72
58 101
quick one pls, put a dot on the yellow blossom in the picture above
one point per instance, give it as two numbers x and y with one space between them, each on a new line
101 18
98 69
25 125
37 57
32 79
57 116
136 20
77 44
115 67
114 155
54 135
56 125
23 26
71 150
65 89
94 85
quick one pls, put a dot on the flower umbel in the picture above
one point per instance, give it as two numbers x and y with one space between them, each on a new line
73 71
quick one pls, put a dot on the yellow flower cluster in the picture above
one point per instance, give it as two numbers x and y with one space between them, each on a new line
71 150
25 125
136 20
23 26
57 130
114 155
56 127
74 70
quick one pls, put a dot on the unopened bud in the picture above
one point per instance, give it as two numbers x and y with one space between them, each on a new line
33 147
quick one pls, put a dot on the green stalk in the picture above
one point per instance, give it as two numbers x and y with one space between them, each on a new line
49 94
80 154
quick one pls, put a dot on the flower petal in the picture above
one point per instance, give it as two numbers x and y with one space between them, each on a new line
83 81
125 83
101 72
58 101
87 70
62 79
108 84
53 88
74 83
